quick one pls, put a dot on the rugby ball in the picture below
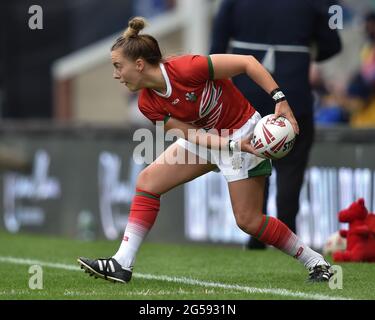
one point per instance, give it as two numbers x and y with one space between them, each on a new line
273 138
334 243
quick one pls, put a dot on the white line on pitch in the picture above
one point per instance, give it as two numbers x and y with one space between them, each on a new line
184 280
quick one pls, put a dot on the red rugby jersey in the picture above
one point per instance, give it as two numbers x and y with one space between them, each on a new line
194 97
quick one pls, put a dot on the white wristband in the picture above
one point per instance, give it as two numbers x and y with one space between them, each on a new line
234 146
278 95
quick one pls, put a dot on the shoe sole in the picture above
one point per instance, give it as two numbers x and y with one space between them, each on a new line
321 280
92 272
317 281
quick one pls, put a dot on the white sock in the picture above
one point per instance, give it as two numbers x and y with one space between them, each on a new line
304 254
133 237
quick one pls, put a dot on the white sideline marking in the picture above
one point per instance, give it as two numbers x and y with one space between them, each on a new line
184 280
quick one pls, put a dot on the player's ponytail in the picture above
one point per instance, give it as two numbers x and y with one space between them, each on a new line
135 25
135 45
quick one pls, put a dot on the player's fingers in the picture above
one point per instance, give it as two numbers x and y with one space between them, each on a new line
247 147
294 124
277 114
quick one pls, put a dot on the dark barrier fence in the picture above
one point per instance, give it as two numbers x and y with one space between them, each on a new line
82 181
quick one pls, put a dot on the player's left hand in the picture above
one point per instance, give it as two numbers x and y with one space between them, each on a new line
282 109
246 146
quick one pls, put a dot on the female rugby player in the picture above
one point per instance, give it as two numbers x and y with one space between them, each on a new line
188 93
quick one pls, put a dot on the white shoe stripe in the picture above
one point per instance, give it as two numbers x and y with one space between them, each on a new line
112 266
100 265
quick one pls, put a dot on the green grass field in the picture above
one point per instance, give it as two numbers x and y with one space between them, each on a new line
167 271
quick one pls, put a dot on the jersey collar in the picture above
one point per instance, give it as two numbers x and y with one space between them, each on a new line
166 78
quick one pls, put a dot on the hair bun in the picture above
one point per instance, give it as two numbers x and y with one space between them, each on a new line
135 25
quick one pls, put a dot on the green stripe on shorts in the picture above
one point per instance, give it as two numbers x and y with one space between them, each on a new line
262 169
166 118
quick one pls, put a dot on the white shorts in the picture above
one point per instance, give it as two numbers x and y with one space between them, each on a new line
240 165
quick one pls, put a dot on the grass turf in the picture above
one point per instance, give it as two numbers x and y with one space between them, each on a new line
225 266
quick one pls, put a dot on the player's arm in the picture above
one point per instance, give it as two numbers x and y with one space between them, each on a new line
229 65
206 139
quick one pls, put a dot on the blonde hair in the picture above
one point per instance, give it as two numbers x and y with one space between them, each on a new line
136 46
135 25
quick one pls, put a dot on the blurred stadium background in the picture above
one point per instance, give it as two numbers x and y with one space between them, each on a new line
67 128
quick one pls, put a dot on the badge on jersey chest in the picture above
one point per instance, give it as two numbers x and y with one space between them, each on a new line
191 96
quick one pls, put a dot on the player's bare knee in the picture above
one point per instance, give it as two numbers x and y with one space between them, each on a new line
144 181
242 224
248 221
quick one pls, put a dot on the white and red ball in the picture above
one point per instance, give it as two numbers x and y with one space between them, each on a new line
334 243
273 138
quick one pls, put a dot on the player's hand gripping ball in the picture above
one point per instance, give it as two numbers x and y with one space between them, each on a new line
273 138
